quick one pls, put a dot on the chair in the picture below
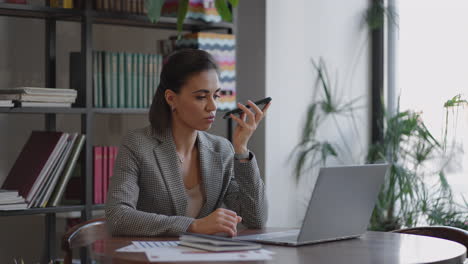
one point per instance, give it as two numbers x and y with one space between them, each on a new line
446 232
82 235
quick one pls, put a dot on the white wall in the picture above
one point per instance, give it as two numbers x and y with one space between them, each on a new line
297 31
250 62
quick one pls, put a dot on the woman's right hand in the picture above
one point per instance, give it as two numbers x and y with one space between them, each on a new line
221 220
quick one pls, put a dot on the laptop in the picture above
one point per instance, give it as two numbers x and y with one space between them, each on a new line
340 207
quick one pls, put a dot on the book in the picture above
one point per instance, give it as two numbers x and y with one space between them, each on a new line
42 182
43 104
97 175
10 197
95 78
99 73
107 79
32 162
215 243
114 79
8 193
54 177
121 80
15 206
67 172
12 200
145 82
6 103
112 154
105 181
39 91
128 80
105 171
134 87
38 98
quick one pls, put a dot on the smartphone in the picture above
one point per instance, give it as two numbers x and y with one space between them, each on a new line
260 103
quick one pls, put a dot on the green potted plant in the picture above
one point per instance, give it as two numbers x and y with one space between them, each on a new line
154 8
415 190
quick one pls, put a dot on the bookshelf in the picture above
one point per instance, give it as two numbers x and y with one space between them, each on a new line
87 18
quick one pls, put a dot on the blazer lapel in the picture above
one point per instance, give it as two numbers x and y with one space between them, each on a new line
211 172
170 169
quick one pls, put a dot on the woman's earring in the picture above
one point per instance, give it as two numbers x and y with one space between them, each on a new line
173 108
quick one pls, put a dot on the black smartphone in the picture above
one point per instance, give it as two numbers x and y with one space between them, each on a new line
260 103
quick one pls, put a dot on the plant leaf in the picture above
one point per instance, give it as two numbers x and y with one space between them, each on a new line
375 15
154 9
181 14
223 10
302 158
234 3
327 150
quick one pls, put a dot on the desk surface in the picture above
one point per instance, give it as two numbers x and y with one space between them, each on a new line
372 247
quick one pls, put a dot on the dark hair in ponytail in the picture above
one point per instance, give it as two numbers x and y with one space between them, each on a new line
178 68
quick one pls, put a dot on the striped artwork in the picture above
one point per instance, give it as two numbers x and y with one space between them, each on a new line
204 10
222 48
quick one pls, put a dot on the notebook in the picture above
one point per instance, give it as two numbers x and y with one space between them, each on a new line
215 243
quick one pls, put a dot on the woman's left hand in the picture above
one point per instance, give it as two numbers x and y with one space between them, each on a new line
246 125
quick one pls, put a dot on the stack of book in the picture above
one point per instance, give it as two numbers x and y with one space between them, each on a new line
39 97
11 200
44 166
104 160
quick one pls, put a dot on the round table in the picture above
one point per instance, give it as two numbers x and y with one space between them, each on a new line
372 247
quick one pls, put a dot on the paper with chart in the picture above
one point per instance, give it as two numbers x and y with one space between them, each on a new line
170 251
142 246
189 254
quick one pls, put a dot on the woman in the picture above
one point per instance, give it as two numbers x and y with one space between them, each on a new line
173 177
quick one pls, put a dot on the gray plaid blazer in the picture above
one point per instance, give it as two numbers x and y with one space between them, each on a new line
147 195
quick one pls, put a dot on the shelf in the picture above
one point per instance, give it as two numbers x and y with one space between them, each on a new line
138 20
43 110
58 209
34 11
137 111
98 206
106 17
77 214
34 211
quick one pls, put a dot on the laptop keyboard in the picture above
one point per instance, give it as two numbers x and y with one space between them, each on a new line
286 235
281 238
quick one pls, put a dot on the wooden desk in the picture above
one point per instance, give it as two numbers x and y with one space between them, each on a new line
372 247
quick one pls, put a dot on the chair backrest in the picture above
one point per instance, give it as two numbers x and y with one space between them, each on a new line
446 232
82 235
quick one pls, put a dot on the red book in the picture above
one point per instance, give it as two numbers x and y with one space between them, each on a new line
32 163
97 175
114 150
109 173
105 171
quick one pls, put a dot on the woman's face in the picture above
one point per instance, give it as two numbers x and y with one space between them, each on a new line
195 104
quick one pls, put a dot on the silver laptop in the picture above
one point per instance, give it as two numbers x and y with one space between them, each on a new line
340 206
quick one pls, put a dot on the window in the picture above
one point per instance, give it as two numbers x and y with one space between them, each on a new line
432 68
